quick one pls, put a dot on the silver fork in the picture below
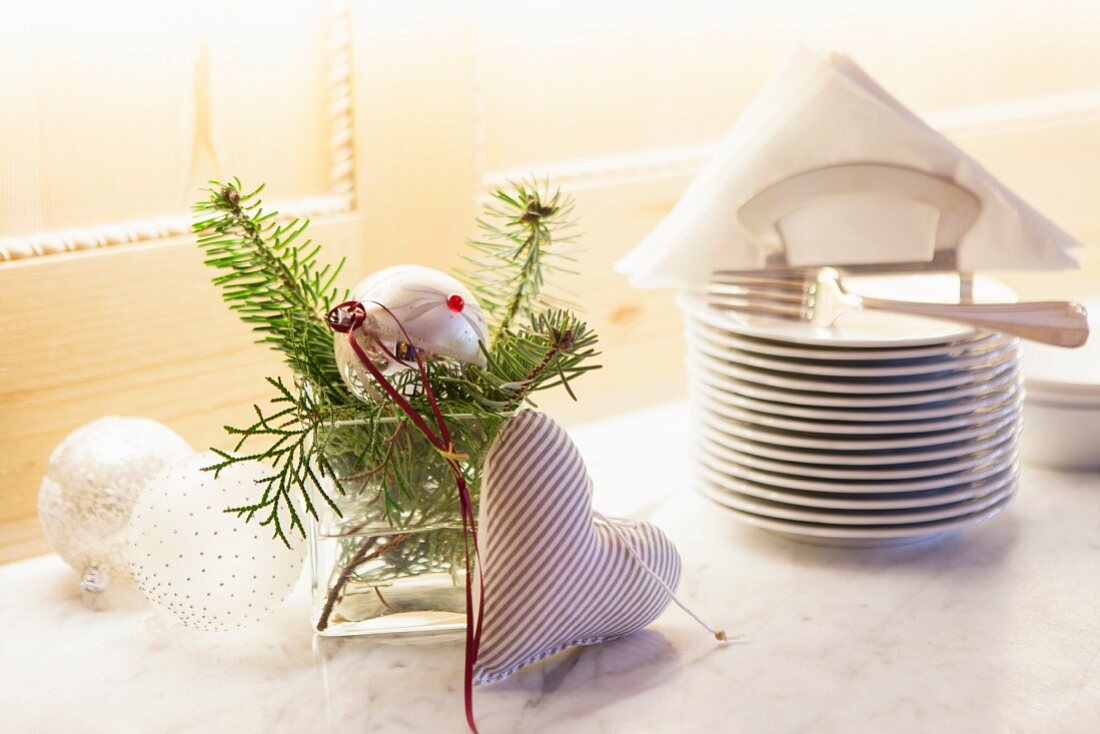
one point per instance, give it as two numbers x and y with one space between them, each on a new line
817 295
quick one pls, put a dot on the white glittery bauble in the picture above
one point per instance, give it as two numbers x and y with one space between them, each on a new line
93 478
204 566
419 299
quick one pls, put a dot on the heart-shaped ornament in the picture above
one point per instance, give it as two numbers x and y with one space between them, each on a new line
554 573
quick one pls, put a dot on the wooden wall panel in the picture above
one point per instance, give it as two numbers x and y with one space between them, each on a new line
415 120
135 330
118 111
105 305
593 79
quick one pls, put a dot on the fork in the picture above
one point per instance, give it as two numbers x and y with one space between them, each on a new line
818 296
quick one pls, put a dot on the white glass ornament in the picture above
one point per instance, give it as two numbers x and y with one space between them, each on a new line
204 566
440 316
87 494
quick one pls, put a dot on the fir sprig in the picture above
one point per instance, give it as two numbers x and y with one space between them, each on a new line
272 279
525 232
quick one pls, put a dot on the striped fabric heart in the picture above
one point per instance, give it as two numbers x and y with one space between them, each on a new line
554 573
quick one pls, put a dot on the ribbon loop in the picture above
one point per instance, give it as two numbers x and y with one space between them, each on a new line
346 317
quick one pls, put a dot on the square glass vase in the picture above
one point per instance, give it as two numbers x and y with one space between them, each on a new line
390 558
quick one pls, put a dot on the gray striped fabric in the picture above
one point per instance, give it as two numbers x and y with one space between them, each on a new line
553 576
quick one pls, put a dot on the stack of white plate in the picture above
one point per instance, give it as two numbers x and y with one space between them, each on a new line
881 429
1062 409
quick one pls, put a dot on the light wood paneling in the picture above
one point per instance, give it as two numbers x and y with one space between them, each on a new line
603 78
117 111
416 125
21 538
132 331
103 153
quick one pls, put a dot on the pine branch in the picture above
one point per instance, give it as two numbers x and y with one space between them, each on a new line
273 280
523 233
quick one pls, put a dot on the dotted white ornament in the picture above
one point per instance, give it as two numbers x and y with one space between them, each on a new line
206 567
440 315
93 478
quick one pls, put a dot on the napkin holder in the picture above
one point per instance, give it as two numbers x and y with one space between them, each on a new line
867 202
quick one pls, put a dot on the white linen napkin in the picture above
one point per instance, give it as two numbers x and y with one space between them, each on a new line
820 111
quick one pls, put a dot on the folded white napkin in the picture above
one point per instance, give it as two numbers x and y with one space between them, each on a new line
823 111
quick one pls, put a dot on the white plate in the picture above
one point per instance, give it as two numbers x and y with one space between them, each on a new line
1000 394
863 329
990 383
862 369
977 343
1012 403
887 533
854 459
900 501
849 518
854 385
888 472
996 463
876 441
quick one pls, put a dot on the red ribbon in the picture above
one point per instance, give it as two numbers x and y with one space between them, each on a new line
345 319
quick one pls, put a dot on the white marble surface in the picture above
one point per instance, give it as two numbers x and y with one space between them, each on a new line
995 629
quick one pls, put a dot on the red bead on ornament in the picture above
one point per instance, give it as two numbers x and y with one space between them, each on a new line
455 303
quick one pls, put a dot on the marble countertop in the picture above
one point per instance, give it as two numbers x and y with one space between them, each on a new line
993 629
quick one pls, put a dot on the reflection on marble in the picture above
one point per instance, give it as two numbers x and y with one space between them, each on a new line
994 629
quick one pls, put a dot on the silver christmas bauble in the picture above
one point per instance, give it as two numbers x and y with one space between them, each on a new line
205 566
92 480
411 308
